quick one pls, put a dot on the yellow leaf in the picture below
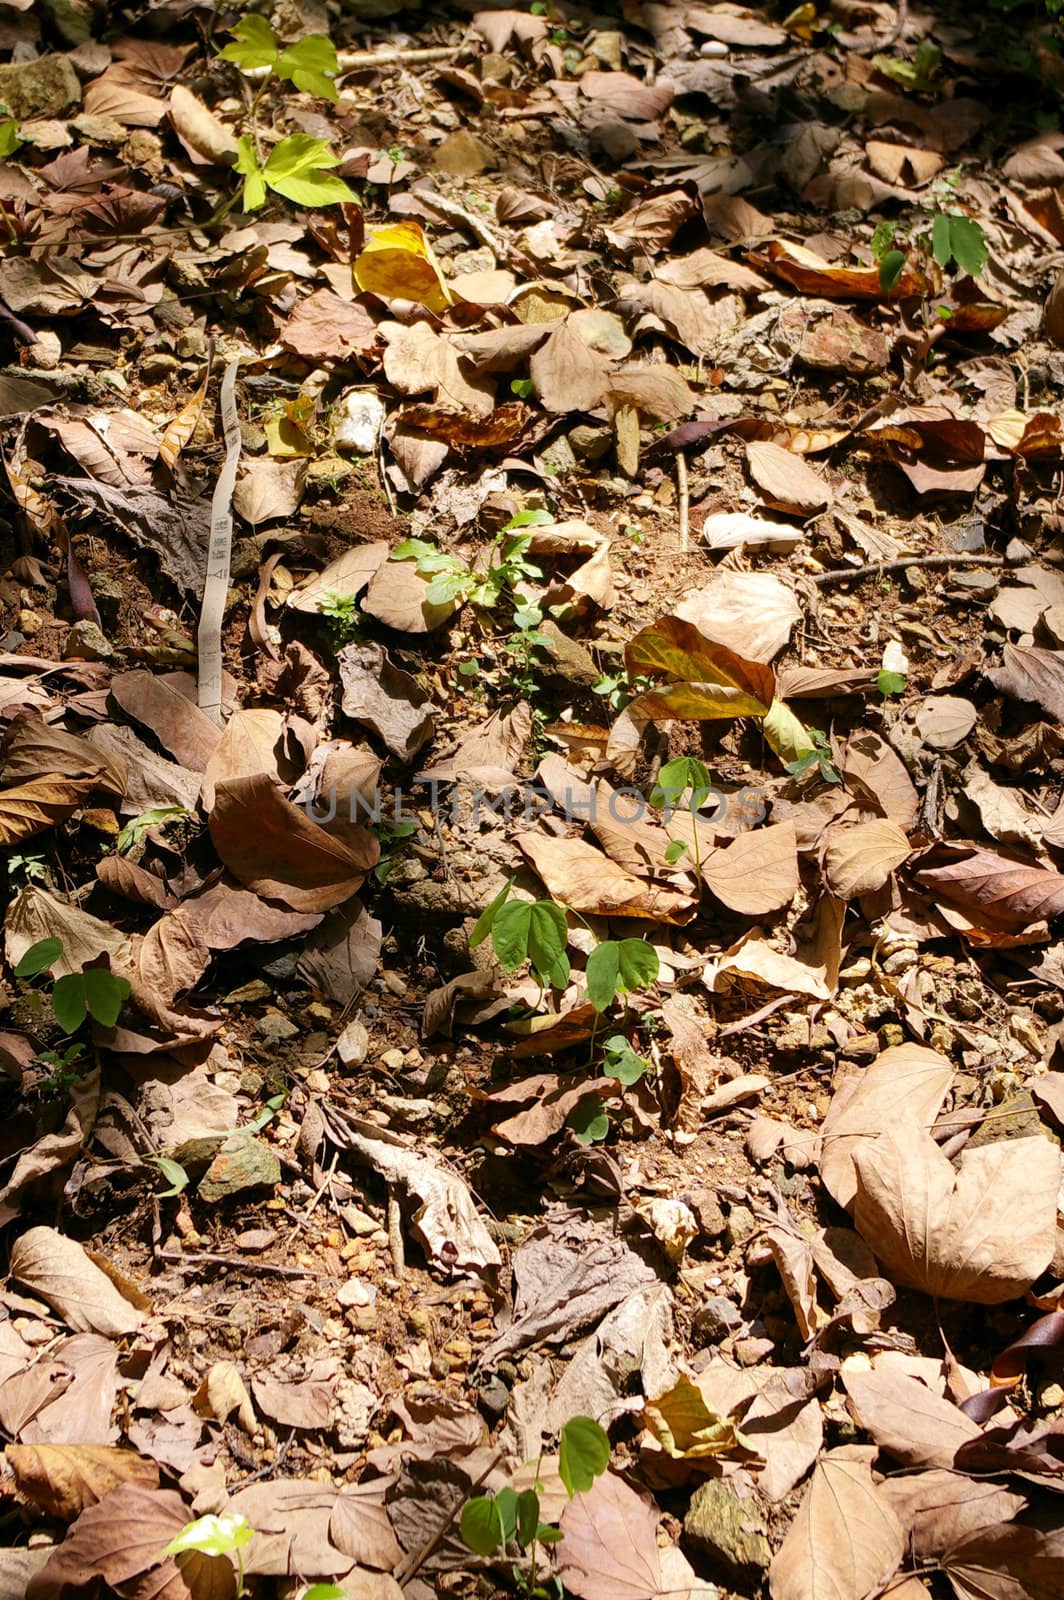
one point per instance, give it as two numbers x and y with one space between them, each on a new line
687 1429
785 735
398 264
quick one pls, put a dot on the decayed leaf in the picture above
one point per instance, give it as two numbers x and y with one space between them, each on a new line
944 721
907 1081
305 1404
360 1527
845 1542
348 575
175 719
175 951
324 327
785 480
58 1269
268 490
1031 674
995 891
35 749
581 876
36 915
382 697
860 857
398 263
63 1479
757 873
1010 1562
983 1231
813 970
567 374
272 847
907 1419
877 773
609 1550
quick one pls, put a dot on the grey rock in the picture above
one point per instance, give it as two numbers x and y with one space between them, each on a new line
87 642
715 1320
274 1028
742 1225
241 1163
728 1531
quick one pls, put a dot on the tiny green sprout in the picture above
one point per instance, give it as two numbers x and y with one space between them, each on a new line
227 1533
890 683
342 617
387 837
960 240
10 137
324 1591
587 1121
819 757
297 169
619 966
620 1061
521 931
137 827
583 1454
674 850
175 1172
523 388
94 992
310 64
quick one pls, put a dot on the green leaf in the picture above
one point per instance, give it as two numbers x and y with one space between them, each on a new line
522 387
620 1061
297 169
311 65
547 1533
39 957
677 777
69 1003
104 993
509 933
527 1517
968 244
488 915
889 683
528 519
882 239
213 1535
324 1591
255 44
506 1506
890 269
548 933
10 137
603 974
179 1178
583 1455
588 1121
481 1525
942 239
674 851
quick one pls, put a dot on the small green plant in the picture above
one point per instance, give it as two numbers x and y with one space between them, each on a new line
890 683
28 868
819 759
298 167
685 775
388 857
919 74
451 580
951 240
490 1524
135 829
521 930
93 992
10 137
342 618
621 1061
226 1534
68 1066
172 1170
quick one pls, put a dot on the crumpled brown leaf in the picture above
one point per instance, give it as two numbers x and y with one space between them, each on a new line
60 1271
273 848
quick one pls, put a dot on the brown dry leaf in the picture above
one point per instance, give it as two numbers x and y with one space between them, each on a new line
567 374
705 269
59 1270
756 874
360 1526
811 274
119 1541
1011 1562
63 1479
179 429
341 957
205 137
385 699
27 809
877 774
907 1419
325 327
583 877
751 613
731 530
845 1542
490 751
35 749
994 891
396 597
222 1391
906 1081
944 721
268 490
157 702
273 848
653 391
175 951
982 1231
860 857
794 1261
36 915
786 482
250 744
902 163
626 96
1032 675
655 219
305 1404
610 1550
348 575
813 970
940 1509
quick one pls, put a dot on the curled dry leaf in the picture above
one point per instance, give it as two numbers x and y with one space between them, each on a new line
860 857
983 1231
158 703
944 721
907 1081
385 699
994 891
27 809
58 1269
811 274
347 576
845 1542
876 773
274 848
786 482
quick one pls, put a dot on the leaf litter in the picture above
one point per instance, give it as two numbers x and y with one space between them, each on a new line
606 961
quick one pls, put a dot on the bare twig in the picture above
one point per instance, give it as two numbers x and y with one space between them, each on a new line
684 493
357 60
395 1235
193 1258
880 569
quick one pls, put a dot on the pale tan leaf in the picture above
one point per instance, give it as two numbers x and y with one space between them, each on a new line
58 1269
906 1419
756 874
983 1231
860 857
845 1542
787 483
609 1550
62 1479
940 1509
27 809
567 374
877 773
583 877
906 1081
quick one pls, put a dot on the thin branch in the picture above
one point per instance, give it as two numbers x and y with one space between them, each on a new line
880 569
684 495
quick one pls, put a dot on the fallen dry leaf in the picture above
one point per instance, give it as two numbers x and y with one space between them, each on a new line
845 1542
58 1269
787 483
63 1479
906 1082
860 857
581 876
274 848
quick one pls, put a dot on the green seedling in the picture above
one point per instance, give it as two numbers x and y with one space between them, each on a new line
522 930
10 137
620 1061
491 1523
890 683
686 775
619 966
952 240
819 758
137 827
310 64
226 1534
342 617
452 581
387 837
94 992
297 169
175 1172
919 74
